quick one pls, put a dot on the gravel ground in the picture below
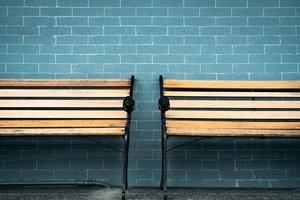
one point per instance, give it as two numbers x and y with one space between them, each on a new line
96 193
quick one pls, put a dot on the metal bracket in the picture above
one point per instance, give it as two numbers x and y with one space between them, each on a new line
128 104
164 104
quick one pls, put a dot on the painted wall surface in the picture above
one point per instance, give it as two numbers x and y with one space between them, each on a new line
186 39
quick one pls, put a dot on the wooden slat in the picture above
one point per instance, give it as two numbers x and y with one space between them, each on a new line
198 84
28 103
175 114
63 93
62 132
65 83
61 123
232 104
53 114
233 132
232 124
230 94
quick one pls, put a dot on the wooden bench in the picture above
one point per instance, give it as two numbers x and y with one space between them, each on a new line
227 108
93 107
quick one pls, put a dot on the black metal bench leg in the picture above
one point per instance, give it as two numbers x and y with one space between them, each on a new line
125 167
164 167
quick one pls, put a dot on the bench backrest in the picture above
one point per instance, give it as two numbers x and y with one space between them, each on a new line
63 107
232 108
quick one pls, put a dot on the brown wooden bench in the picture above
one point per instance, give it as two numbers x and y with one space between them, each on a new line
94 107
227 108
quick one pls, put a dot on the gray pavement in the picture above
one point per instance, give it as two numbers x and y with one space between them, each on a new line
96 193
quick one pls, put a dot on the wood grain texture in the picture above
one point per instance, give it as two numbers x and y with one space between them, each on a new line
62 93
232 125
232 132
198 84
175 114
58 114
60 123
62 131
232 104
65 83
231 94
28 103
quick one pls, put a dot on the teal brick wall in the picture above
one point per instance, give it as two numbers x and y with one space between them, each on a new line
186 39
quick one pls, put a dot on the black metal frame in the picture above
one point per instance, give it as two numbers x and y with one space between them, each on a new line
128 106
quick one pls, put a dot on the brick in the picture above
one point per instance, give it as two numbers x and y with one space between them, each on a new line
23 11
264 40
152 11
282 49
56 11
22 68
216 68
49 31
277 68
279 12
215 12
71 58
151 30
88 49
39 21
183 12
248 68
136 59
207 40
199 154
11 58
136 21
87 68
218 164
168 21
120 12
168 59
247 12
231 3
11 21
39 58
25 49
290 21
231 21
36 175
120 49
215 30
37 3
88 11
152 49
196 3
216 49
187 49
28 164
91 30
203 174
290 39
136 40
22 30
71 40
263 21
119 30
247 30
200 21
104 59
253 183
72 21
39 40
3 11
284 164
248 49
252 164
183 30
104 3
12 3
263 3
136 3
151 68
166 3
264 58
168 40
71 175
201 59
10 175
125 68
3 49
289 3
71 3
55 68
290 58
236 174
280 30
232 59
184 68
101 21
231 40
